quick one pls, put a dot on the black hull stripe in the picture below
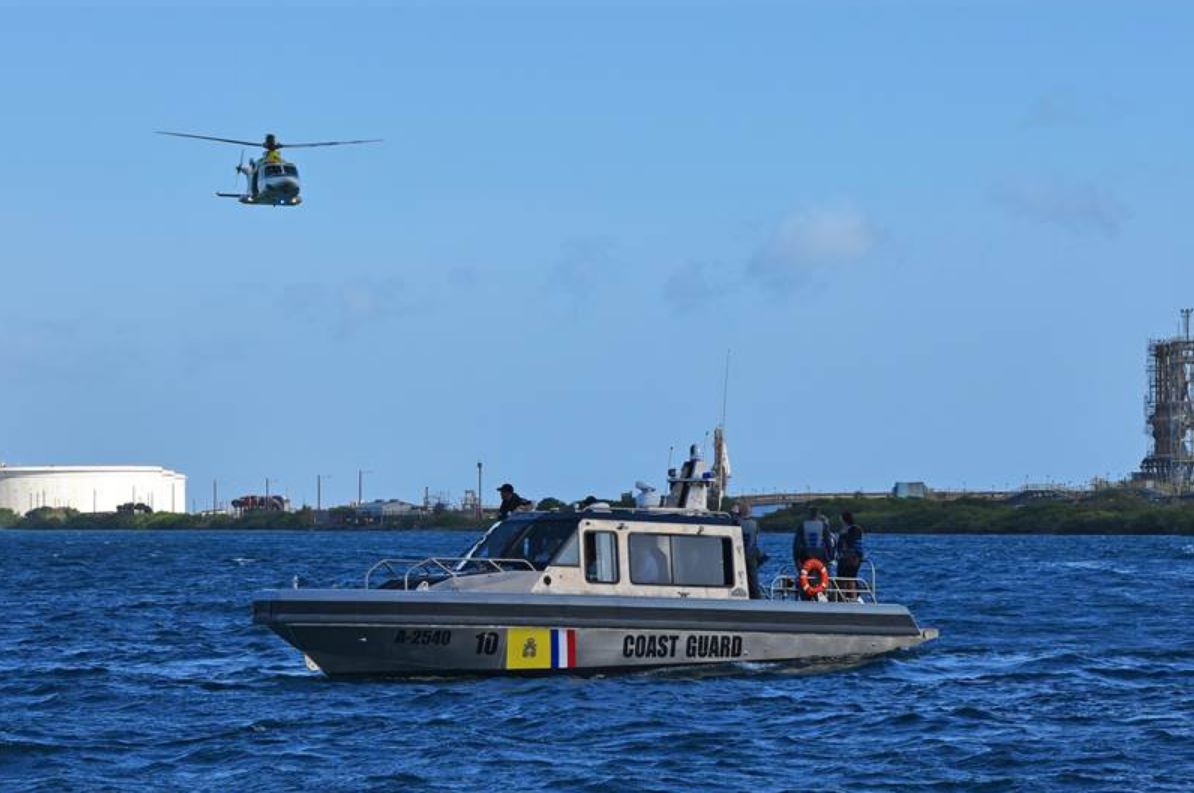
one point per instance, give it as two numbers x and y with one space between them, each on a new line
275 613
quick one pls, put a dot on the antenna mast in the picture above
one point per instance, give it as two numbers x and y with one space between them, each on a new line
725 386
720 456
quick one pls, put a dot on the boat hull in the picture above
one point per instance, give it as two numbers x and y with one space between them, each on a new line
395 633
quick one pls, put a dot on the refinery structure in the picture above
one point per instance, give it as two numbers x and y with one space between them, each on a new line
1169 409
91 488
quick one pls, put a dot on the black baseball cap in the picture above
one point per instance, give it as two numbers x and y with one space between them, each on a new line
506 487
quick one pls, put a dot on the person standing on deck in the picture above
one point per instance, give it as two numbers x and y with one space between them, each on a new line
754 554
849 555
814 540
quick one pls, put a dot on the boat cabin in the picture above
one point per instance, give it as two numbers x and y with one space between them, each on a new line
648 553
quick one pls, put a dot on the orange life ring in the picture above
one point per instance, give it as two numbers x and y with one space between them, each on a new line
806 586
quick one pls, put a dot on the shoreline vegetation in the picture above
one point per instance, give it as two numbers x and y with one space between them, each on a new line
1112 511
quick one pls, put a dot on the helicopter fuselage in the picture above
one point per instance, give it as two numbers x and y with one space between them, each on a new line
272 182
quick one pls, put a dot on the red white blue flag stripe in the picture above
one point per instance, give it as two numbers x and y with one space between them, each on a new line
563 648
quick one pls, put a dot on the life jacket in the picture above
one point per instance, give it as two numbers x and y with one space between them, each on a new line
813 533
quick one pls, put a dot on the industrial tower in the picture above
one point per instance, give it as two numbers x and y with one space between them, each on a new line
1169 407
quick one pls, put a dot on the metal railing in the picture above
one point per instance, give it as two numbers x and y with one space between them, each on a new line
840 589
450 566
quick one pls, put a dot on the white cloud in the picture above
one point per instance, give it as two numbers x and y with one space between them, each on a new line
692 286
1079 207
351 305
462 277
810 242
39 348
1068 109
584 264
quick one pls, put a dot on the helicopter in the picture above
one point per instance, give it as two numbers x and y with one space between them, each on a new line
272 181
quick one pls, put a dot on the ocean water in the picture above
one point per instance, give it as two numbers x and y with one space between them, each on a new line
128 662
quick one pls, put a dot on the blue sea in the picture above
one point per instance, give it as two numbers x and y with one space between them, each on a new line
128 662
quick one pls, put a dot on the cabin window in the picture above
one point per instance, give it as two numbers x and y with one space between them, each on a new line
650 559
702 561
569 555
290 170
273 170
681 560
601 557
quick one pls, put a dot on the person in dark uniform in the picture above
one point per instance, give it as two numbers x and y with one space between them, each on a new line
849 555
754 556
511 501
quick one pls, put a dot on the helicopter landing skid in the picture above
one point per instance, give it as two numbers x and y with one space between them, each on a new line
245 199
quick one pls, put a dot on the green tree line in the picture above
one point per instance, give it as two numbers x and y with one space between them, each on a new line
1106 512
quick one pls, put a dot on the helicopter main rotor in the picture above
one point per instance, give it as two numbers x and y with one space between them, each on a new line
271 142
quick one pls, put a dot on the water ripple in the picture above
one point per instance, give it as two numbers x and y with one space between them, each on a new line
127 662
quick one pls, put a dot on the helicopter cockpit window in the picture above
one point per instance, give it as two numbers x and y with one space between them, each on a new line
290 170
273 170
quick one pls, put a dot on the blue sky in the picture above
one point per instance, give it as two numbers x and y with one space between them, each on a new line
935 236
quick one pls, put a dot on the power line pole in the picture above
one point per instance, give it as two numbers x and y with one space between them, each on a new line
319 490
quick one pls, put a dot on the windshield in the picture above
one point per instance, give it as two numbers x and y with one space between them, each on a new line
273 170
493 544
536 541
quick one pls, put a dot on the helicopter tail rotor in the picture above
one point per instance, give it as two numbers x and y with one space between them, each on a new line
241 171
240 168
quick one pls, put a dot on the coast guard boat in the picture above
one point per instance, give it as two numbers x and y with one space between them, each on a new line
601 589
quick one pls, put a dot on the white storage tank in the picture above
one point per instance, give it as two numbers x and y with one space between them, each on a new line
91 488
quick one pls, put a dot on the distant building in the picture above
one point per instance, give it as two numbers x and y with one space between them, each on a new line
911 490
91 488
382 509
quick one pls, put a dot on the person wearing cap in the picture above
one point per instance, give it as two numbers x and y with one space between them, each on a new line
511 501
